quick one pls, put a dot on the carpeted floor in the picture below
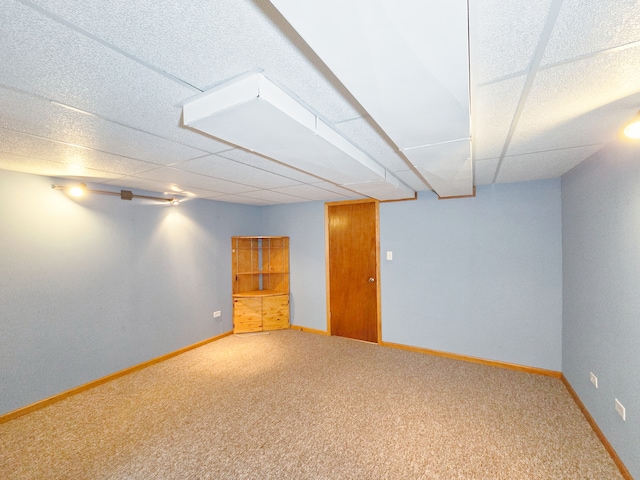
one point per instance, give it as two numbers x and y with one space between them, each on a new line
294 405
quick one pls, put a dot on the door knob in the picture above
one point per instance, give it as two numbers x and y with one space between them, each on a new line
371 280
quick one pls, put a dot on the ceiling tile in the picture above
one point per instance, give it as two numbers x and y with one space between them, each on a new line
27 145
522 168
258 161
310 192
48 59
243 200
225 169
187 180
485 170
580 103
225 39
273 196
505 35
494 106
350 194
38 116
592 26
48 168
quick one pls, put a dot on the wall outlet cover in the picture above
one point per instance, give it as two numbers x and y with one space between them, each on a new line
621 410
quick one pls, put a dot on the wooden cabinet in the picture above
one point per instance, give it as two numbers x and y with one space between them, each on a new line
260 268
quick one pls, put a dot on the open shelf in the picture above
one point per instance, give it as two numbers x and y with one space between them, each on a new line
260 268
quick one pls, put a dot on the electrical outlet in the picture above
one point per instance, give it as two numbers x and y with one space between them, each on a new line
621 410
594 379
217 313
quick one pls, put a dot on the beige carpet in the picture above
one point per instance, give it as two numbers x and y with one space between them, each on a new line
293 405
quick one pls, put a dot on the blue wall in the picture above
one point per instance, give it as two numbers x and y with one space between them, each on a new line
479 276
304 224
90 287
95 286
601 312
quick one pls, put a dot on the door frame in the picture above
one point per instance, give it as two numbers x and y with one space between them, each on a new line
376 204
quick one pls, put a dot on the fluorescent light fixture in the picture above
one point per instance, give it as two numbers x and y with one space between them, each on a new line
253 113
81 189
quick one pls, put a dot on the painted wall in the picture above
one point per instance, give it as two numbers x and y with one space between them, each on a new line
304 224
478 276
90 287
601 312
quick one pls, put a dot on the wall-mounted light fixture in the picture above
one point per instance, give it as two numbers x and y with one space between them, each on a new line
81 189
632 130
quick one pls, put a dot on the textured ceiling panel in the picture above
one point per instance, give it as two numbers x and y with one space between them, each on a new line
186 180
330 187
274 197
522 168
593 25
505 35
494 106
243 200
133 65
310 192
485 170
38 116
48 168
44 149
44 57
225 169
257 161
205 43
584 102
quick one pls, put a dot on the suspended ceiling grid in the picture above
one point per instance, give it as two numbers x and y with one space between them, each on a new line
93 91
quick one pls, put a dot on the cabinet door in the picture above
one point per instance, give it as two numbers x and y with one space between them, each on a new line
247 314
275 312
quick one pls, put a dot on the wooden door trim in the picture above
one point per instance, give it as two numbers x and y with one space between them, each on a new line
377 268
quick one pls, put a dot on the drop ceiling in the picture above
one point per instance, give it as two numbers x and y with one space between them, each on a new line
441 98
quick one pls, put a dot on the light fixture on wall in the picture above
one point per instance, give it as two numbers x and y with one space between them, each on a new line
78 190
632 130
81 189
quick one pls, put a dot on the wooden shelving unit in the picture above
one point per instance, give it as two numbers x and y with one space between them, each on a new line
260 269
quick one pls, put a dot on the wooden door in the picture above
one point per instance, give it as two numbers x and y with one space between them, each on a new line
353 252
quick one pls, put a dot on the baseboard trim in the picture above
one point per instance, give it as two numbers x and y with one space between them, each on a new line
614 456
453 356
482 361
88 386
309 330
